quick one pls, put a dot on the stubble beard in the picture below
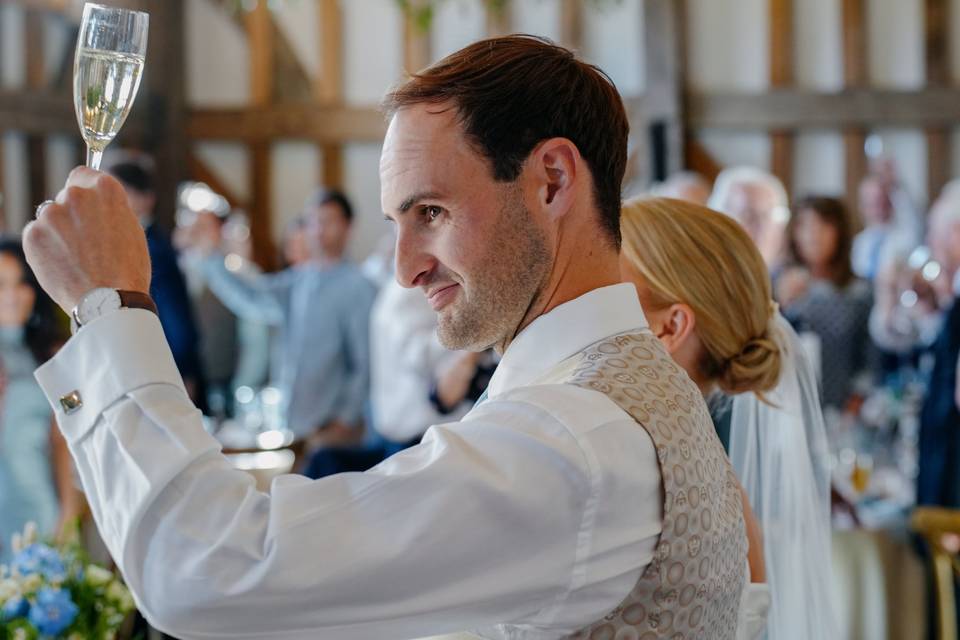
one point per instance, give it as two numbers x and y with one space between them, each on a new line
502 287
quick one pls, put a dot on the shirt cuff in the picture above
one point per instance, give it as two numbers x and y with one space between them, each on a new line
107 359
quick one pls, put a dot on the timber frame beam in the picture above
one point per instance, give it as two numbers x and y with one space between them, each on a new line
798 108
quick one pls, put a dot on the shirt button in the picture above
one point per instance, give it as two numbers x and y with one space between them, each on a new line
71 402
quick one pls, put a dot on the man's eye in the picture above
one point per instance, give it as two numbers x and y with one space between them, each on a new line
432 211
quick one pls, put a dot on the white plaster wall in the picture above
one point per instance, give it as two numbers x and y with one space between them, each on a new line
13 72
818 44
818 164
895 37
59 41
373 49
456 24
231 161
538 18
299 21
361 164
296 173
16 194
218 59
727 51
727 45
613 40
61 159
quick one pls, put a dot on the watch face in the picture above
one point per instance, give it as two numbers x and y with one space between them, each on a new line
96 303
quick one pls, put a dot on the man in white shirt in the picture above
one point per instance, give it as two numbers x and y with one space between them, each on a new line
546 510
405 354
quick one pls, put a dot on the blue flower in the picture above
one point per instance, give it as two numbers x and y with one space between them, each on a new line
53 611
16 607
42 559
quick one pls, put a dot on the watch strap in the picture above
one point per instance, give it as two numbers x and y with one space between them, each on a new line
128 300
137 300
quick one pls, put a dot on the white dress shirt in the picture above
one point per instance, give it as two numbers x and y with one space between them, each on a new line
404 356
529 518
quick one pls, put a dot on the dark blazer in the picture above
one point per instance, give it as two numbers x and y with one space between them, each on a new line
169 290
938 482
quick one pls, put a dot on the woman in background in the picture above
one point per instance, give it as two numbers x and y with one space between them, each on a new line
36 481
704 289
820 294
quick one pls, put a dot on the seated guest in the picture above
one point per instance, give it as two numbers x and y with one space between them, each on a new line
321 310
938 482
906 317
886 234
819 293
757 200
404 353
463 379
705 290
168 287
36 477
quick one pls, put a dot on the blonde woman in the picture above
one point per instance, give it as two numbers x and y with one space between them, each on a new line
705 291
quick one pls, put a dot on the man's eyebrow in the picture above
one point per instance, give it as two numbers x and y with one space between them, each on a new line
415 198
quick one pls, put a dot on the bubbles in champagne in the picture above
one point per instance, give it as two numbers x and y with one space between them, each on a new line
105 85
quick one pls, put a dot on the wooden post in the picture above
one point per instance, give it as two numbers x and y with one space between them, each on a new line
937 54
261 172
571 24
329 85
781 75
167 99
498 20
259 28
664 63
36 79
416 46
328 90
855 76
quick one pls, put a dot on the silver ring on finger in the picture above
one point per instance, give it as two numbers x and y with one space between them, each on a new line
39 209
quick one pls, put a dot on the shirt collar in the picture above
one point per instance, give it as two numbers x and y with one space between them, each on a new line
566 330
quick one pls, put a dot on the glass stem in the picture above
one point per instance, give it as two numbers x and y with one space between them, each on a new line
93 158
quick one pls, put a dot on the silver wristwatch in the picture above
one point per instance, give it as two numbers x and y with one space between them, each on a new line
103 300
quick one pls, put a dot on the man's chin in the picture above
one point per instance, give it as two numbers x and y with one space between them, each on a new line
456 335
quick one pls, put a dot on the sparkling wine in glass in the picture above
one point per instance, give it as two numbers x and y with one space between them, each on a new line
107 69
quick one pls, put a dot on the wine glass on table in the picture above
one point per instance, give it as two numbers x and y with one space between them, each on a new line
107 69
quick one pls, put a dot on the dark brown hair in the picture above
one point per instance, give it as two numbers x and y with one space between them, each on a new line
515 91
45 331
833 212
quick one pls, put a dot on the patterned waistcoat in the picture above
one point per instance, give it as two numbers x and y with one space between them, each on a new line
692 587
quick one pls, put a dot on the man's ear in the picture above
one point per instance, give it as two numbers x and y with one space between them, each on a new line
554 165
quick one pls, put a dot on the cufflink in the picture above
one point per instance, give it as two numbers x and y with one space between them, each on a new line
71 402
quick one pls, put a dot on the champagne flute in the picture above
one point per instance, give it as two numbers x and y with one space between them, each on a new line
107 69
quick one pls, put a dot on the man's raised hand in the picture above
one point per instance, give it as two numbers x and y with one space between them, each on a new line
87 238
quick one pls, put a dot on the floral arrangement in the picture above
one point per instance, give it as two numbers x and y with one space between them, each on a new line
53 591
